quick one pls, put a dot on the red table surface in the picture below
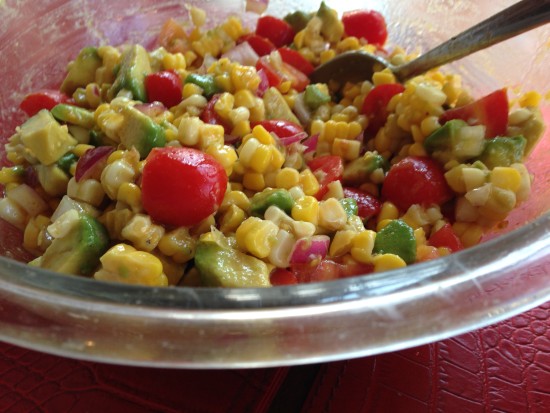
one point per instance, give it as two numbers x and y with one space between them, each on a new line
502 368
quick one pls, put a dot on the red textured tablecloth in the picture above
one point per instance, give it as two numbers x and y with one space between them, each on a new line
503 368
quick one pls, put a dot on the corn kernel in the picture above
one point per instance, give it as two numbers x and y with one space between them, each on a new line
231 219
256 236
332 215
386 262
287 178
342 243
530 99
362 245
306 209
383 78
254 181
309 182
505 178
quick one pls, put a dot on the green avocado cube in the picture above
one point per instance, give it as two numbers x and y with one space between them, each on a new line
503 151
82 70
140 131
281 198
73 115
131 75
396 238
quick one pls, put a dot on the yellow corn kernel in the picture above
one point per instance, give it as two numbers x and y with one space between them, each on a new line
417 149
309 182
262 135
130 194
348 43
244 98
245 77
254 181
174 61
287 178
256 236
383 78
142 232
317 127
33 232
346 149
277 158
225 155
530 99
342 243
382 224
9 175
235 197
388 211
233 27
285 86
178 244
211 135
81 148
469 234
224 105
332 215
299 39
306 209
420 236
231 219
326 55
257 112
190 89
505 178
241 128
362 245
386 262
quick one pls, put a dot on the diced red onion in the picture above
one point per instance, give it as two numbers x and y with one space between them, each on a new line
92 161
311 143
243 53
152 109
264 83
231 139
309 249
256 6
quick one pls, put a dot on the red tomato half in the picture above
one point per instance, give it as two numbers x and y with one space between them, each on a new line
491 111
280 276
165 87
276 30
376 103
326 168
295 59
282 128
44 99
367 204
446 237
368 24
181 186
416 180
261 45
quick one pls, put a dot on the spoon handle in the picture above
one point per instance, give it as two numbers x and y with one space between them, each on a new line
518 18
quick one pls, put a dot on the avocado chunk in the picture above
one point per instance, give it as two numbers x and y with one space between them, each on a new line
206 82
281 198
358 171
82 70
332 28
456 140
503 151
140 131
73 115
276 106
350 206
45 138
396 238
314 97
131 75
66 161
298 20
227 267
78 251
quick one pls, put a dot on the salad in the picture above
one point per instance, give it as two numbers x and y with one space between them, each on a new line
212 160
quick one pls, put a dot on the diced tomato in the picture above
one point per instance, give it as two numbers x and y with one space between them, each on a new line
172 37
352 270
327 270
282 128
327 169
367 204
261 45
44 99
181 186
446 237
376 103
281 276
276 30
278 71
295 59
416 180
368 24
490 110
210 116
165 87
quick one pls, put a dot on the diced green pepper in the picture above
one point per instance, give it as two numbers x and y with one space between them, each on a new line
396 238
503 151
350 206
206 82
314 97
74 115
280 198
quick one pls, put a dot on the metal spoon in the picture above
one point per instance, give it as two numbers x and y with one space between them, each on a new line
356 66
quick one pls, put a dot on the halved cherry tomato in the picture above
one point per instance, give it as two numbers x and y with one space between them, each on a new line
295 59
376 103
282 128
278 31
367 204
280 276
327 169
327 270
278 71
181 186
44 99
490 110
261 45
416 180
165 87
368 24
210 116
446 237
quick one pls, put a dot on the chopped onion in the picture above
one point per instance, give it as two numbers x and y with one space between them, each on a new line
92 162
207 61
264 83
301 110
242 53
311 143
28 199
152 109
256 6
309 249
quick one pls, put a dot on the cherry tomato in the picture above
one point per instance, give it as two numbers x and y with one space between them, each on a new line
281 276
327 169
172 37
261 45
295 59
376 103
327 270
416 180
276 30
490 110
181 186
279 71
282 128
44 99
210 116
446 237
368 24
165 87
367 204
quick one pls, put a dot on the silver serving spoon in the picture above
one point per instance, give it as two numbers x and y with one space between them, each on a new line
356 66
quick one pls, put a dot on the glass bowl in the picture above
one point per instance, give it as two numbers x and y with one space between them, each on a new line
229 328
